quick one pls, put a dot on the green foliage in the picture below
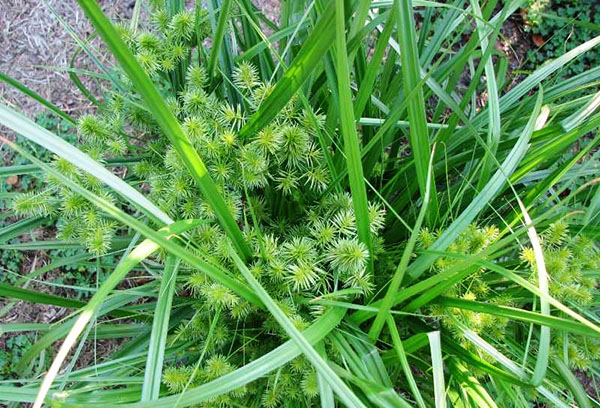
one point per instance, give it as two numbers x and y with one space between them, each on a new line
217 123
14 346
561 35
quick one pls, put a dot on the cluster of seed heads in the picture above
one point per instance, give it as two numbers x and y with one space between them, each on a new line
275 183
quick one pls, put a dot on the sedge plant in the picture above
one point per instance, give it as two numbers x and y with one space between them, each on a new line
313 211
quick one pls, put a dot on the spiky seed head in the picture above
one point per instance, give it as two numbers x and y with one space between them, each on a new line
426 238
241 310
323 232
126 33
528 256
33 203
160 18
97 238
261 92
195 128
295 144
348 255
556 234
313 155
345 222
196 283
218 295
317 178
302 276
308 119
245 76
221 171
376 217
310 384
182 25
217 366
229 139
337 202
277 269
299 249
269 139
92 128
172 160
149 61
176 378
116 146
196 77
69 229
287 181
271 397
73 204
148 41
231 116
177 52
195 101
65 167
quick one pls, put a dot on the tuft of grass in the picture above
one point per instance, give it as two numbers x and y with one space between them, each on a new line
289 219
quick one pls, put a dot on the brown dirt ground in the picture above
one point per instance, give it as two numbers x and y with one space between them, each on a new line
33 40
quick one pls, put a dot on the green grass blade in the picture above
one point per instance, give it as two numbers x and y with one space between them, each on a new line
350 136
160 328
526 316
543 72
574 385
582 114
242 376
141 252
37 97
268 43
75 78
494 120
20 227
309 57
541 364
593 211
11 292
17 394
437 364
218 37
469 383
380 396
526 285
326 396
168 123
366 88
18 169
509 364
404 361
411 71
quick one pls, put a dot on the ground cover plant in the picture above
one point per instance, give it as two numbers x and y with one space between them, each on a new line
559 26
351 206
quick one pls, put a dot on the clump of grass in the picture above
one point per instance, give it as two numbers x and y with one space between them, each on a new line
275 226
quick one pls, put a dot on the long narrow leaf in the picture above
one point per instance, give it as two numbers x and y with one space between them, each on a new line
310 55
348 128
160 328
419 134
168 123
